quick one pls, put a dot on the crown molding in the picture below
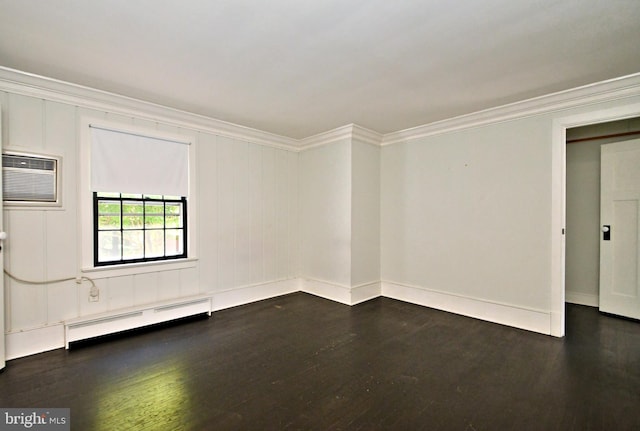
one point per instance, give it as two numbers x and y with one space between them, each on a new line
28 84
350 131
367 136
324 138
604 91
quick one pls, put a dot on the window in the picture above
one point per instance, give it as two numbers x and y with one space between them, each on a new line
131 228
140 187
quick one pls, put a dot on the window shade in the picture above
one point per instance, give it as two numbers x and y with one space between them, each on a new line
128 163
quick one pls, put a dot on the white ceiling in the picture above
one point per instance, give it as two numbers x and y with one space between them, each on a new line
301 67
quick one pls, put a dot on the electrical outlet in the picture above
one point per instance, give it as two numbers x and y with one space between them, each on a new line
94 295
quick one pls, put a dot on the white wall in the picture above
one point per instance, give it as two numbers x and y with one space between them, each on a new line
365 217
467 219
340 218
325 213
466 213
247 227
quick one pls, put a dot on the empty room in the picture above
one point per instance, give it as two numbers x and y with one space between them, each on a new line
296 215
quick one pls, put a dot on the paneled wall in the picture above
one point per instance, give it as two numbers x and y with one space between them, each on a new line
247 222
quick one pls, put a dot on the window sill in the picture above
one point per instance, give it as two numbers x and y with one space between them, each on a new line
139 268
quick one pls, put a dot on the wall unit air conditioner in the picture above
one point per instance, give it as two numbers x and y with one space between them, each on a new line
30 179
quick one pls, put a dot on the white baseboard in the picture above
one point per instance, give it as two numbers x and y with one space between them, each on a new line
32 341
29 342
531 320
339 293
323 289
365 292
38 340
582 298
253 293
85 327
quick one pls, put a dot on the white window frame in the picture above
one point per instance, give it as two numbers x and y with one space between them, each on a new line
85 202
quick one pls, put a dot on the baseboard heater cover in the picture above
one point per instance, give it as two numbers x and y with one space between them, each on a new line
83 328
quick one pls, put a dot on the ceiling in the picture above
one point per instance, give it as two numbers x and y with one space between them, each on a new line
301 67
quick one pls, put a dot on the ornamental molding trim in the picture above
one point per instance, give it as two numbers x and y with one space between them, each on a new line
604 91
27 84
352 132
54 90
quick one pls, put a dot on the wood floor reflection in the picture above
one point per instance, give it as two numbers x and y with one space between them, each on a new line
298 362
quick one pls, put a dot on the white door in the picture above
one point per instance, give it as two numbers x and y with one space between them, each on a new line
620 225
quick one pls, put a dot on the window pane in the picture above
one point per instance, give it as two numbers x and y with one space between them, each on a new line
133 244
109 208
173 208
154 243
137 228
154 215
108 246
153 197
108 222
132 215
174 242
108 195
173 221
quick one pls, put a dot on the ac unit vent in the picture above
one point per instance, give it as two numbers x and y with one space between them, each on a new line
29 179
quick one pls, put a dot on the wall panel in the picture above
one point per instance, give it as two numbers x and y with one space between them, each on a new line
294 220
146 288
168 285
26 122
281 226
269 213
120 292
226 214
325 213
189 285
256 210
208 204
242 225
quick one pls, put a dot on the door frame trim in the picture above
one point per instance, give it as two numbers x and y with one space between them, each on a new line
559 201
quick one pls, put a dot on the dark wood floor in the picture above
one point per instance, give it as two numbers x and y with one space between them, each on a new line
301 362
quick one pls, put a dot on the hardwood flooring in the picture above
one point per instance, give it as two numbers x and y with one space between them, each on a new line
299 362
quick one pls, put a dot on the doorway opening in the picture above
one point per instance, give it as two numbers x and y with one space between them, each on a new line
558 199
582 249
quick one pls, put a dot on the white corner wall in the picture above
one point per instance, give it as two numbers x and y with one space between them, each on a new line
340 218
325 215
365 220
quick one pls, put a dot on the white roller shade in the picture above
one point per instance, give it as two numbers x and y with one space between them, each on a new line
127 163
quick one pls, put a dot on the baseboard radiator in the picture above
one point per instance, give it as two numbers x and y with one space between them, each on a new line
86 327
